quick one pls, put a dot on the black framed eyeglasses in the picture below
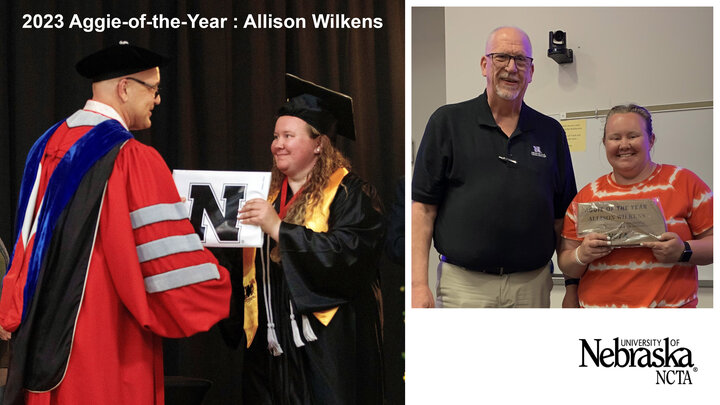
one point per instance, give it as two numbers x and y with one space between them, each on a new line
503 59
155 88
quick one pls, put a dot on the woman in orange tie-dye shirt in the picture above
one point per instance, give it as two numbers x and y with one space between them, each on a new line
657 274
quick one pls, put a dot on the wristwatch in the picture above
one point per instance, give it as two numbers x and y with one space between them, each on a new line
685 257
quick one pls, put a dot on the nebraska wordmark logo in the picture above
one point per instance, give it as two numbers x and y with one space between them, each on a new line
671 362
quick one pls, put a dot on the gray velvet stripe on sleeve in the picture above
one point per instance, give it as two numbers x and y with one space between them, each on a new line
168 246
181 277
158 213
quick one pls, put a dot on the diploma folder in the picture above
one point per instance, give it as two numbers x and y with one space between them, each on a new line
212 200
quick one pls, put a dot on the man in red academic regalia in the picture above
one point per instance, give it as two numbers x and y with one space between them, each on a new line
105 261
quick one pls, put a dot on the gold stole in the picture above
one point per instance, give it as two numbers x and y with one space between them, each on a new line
317 221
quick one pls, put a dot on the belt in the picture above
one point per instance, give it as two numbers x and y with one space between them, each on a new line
496 270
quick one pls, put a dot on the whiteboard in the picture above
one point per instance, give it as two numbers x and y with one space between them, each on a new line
682 138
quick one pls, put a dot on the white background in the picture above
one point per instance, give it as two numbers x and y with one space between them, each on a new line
473 356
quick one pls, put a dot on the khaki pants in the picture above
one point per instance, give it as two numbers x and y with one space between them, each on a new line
461 288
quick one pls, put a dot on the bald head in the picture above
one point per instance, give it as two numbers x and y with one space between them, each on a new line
506 80
511 36
132 96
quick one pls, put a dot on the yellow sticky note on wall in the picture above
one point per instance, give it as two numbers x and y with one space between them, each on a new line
576 132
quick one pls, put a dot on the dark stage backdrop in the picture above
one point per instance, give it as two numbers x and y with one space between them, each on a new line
219 97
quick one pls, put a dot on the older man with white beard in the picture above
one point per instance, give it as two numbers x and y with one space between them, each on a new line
491 183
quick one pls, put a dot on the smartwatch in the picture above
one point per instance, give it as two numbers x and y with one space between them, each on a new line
685 257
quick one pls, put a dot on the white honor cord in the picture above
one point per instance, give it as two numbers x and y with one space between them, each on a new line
295 329
273 343
307 330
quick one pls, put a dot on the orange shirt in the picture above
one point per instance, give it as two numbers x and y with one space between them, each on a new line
633 277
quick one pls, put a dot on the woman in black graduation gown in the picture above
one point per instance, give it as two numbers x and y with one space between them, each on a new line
318 337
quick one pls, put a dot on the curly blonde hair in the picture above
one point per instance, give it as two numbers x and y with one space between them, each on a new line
329 160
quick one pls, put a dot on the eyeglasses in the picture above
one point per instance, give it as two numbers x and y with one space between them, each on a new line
503 59
155 88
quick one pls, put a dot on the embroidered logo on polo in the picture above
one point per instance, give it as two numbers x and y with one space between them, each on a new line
537 152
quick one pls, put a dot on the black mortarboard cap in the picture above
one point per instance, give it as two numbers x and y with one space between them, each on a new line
118 60
329 111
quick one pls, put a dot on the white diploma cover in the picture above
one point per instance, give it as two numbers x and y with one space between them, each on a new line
213 199
626 222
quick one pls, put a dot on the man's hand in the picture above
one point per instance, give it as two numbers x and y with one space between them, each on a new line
4 335
423 222
422 297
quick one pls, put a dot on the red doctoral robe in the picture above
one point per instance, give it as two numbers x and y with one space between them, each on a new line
116 351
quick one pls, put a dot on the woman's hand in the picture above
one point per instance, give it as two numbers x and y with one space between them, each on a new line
574 256
669 248
570 300
594 246
261 213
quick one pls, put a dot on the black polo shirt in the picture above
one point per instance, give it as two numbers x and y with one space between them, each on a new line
497 197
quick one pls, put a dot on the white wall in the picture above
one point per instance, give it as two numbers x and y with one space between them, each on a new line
645 55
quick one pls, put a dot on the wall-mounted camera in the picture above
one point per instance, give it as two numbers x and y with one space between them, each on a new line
558 50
